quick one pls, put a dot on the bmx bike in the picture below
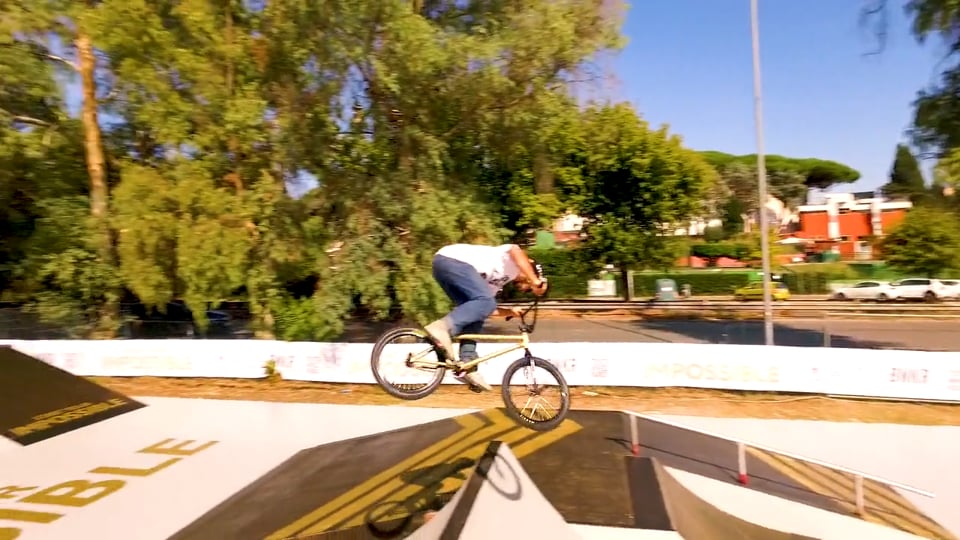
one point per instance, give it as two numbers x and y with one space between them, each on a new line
429 357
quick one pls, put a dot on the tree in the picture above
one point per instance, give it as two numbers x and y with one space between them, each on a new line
34 24
926 242
936 122
906 180
817 173
741 181
733 211
639 182
946 181
424 124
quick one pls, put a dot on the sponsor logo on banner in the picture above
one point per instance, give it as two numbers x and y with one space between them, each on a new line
953 383
714 371
566 366
282 361
146 362
899 375
600 368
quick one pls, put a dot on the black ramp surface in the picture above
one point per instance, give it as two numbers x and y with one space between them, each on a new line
39 401
649 507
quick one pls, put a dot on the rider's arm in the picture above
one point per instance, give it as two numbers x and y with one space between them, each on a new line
523 262
505 312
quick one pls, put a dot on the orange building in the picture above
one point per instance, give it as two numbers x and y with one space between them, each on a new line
847 223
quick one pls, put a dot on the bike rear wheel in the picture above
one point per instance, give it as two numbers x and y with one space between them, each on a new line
414 354
535 389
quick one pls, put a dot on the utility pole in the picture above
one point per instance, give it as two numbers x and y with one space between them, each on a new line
761 178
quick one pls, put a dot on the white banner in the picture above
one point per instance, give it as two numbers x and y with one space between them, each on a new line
856 372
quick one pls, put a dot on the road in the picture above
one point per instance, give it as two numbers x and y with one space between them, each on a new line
880 334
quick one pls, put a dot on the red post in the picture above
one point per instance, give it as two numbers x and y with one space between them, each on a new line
742 464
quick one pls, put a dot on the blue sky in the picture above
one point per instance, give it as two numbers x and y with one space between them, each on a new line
689 64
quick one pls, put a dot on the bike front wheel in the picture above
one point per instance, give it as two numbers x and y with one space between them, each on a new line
536 387
402 354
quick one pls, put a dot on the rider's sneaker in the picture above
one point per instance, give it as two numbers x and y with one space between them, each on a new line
475 381
440 332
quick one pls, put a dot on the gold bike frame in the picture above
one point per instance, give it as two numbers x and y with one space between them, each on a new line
520 341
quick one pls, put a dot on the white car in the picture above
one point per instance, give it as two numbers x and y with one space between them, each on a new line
952 288
926 289
867 290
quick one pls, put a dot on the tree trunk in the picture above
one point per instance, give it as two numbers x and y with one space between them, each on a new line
99 195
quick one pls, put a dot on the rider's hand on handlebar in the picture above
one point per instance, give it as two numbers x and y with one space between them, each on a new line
539 290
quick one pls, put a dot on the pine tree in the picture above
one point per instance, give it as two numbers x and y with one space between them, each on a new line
906 180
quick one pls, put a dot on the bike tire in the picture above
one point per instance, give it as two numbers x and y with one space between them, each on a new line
514 412
396 391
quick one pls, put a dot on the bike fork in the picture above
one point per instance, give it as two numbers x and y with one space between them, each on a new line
532 366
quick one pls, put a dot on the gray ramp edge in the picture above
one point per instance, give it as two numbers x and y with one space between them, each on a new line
696 519
499 500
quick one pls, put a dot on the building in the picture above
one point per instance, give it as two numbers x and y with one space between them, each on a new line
847 224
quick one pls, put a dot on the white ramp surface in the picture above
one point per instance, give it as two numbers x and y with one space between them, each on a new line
499 502
146 474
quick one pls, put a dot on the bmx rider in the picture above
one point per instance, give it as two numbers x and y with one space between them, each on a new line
471 275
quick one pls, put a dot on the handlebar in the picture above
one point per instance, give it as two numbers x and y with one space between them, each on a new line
528 327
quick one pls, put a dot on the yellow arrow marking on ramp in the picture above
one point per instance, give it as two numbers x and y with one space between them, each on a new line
351 508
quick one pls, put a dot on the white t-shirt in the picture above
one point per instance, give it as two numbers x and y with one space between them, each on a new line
494 263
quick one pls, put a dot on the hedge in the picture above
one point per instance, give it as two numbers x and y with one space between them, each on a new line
701 283
570 269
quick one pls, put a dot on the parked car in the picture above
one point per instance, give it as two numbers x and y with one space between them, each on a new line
867 290
926 289
952 288
754 291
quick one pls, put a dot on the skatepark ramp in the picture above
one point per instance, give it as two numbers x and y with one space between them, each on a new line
499 500
846 490
666 504
39 401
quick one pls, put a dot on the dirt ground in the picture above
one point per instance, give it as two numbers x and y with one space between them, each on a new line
691 402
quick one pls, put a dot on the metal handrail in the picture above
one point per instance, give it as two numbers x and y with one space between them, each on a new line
859 476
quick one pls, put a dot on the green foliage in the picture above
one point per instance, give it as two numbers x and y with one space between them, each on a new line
817 173
906 180
701 283
423 124
72 283
714 233
732 216
639 180
926 242
717 250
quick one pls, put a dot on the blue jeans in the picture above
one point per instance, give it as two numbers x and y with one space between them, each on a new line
470 294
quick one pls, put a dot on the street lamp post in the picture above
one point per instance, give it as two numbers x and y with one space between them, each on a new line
761 178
